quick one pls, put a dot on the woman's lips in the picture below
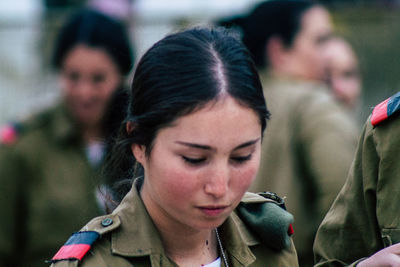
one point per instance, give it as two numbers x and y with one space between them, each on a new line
213 210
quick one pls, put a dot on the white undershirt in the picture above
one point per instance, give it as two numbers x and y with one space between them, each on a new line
216 263
95 152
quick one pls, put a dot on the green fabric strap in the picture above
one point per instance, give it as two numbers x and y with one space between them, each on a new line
268 221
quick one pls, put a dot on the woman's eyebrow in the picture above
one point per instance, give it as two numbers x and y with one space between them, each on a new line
206 147
194 145
246 144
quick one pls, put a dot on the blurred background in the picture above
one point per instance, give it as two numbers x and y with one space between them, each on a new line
28 27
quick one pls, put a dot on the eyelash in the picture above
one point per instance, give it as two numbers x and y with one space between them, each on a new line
198 161
193 161
242 159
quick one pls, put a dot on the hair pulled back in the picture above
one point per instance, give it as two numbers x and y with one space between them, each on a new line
94 29
272 18
179 75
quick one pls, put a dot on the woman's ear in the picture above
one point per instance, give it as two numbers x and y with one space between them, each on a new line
129 127
275 51
139 152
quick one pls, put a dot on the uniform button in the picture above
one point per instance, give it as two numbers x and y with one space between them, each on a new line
106 222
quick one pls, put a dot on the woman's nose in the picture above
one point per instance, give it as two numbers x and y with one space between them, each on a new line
217 184
85 89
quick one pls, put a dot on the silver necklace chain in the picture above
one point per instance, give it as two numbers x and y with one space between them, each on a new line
221 248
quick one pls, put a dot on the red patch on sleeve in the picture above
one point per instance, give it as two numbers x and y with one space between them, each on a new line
77 246
290 230
379 113
8 135
75 251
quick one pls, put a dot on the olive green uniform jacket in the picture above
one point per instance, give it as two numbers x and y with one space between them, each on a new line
133 240
47 189
365 216
307 150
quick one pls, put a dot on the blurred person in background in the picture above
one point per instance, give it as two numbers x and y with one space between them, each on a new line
362 228
309 146
49 162
55 12
343 73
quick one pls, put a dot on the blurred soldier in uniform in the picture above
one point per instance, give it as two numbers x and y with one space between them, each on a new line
55 12
49 162
308 147
363 224
343 74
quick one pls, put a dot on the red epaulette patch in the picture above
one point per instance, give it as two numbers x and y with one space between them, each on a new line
290 230
8 134
385 109
77 246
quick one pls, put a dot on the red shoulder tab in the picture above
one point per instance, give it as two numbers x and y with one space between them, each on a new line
290 230
77 246
8 134
379 113
385 109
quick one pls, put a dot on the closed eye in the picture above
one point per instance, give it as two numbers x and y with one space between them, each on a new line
194 161
98 78
242 159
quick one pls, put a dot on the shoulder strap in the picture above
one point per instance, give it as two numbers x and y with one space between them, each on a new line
385 109
80 243
77 246
265 214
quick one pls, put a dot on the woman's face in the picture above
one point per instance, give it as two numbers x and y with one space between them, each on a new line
306 55
343 74
89 77
200 167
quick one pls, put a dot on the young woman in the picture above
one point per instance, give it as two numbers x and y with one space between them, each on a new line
195 123
48 170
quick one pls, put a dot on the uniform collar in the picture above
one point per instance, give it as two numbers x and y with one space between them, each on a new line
137 225
237 240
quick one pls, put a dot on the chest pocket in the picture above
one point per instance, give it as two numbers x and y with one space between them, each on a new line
390 236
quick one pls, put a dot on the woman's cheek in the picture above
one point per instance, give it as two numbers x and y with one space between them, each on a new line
181 183
245 176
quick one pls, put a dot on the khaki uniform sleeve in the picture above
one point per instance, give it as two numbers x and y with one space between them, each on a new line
11 190
71 263
350 230
328 143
